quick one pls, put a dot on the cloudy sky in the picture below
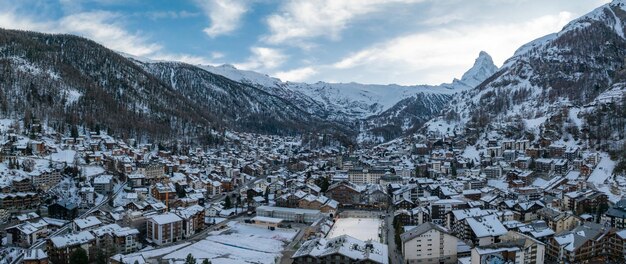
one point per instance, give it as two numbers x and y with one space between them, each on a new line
367 41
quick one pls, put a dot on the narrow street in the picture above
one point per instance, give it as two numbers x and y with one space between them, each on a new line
394 253
290 249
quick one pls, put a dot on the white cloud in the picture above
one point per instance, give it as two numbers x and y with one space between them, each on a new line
225 15
263 58
186 58
99 26
217 55
298 20
102 27
155 15
296 75
10 19
431 57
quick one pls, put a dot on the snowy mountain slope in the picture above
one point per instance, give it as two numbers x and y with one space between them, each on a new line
569 68
354 100
67 80
482 69
244 107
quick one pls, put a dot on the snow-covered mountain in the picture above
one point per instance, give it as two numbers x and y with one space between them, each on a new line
566 72
381 112
68 80
483 68
354 100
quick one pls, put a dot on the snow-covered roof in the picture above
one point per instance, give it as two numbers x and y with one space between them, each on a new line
87 222
165 218
72 239
486 226
347 246
35 254
103 179
267 219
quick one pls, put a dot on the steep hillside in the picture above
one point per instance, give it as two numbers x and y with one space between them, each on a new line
350 101
566 69
411 113
383 112
245 107
68 80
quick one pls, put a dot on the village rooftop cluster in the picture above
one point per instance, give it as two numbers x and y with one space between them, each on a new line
253 198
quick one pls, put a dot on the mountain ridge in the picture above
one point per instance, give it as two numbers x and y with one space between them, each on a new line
568 69
369 99
381 112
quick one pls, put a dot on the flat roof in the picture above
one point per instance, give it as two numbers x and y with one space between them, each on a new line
287 209
267 219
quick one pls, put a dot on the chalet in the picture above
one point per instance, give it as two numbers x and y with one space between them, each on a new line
35 256
582 244
164 228
341 249
544 165
19 200
404 204
485 230
60 248
557 220
86 224
290 199
103 184
192 219
21 184
63 210
345 193
440 208
616 214
523 163
561 166
514 247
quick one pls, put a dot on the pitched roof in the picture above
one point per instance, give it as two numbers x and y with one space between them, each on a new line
345 245
421 229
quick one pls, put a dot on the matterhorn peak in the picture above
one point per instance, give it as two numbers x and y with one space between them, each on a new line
482 69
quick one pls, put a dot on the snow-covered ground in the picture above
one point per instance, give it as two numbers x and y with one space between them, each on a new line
9 254
471 153
214 220
603 171
63 156
441 126
539 182
534 124
90 171
5 124
500 184
600 175
67 190
239 243
359 228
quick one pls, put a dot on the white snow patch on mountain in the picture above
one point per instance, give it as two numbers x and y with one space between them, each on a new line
359 100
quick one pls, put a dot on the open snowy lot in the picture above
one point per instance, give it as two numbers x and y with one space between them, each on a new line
359 228
603 170
239 243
